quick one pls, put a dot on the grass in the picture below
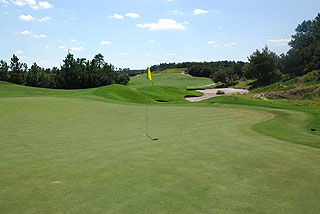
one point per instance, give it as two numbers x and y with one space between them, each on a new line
172 80
13 90
168 93
168 87
292 122
121 93
170 71
85 151
206 159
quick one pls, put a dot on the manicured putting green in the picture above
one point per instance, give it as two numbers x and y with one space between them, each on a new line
78 155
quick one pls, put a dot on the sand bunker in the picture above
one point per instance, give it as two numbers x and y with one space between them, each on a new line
209 93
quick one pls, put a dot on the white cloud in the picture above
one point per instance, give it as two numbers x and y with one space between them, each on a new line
116 16
26 17
73 40
42 5
220 27
176 12
199 11
38 36
76 48
281 44
170 0
44 19
279 40
4 1
19 52
31 18
164 24
25 32
230 44
72 48
47 46
212 42
147 54
123 54
133 15
151 41
170 54
105 43
24 2
22 57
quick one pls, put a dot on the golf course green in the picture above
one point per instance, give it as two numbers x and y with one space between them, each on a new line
85 151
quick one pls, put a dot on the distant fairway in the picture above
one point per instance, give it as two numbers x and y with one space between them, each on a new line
170 79
85 151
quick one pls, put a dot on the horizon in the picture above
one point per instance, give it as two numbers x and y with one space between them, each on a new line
138 34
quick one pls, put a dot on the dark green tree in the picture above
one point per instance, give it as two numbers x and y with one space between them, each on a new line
304 55
69 73
17 70
262 67
33 76
4 75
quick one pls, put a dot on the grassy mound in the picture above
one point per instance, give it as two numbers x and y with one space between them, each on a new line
121 93
167 93
170 79
306 87
171 71
13 90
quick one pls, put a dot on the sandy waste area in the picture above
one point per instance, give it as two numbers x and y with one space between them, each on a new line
209 93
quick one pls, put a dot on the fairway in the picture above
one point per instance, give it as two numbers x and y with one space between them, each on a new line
78 155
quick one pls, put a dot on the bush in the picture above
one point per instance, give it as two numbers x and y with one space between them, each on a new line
219 92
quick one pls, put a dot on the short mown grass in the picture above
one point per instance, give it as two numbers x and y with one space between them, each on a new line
86 151
75 155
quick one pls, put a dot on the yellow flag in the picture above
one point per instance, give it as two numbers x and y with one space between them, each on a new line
149 75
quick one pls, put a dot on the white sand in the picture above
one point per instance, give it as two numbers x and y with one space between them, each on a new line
209 93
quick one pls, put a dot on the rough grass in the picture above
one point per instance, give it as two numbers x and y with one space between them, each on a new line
72 155
306 87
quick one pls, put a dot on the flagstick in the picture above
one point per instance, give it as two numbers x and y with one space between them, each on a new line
147 134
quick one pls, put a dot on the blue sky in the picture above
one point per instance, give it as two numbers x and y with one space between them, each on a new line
140 33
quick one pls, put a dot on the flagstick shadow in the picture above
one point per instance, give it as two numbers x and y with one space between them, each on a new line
153 139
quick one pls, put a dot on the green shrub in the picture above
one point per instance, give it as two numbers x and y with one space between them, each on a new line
220 92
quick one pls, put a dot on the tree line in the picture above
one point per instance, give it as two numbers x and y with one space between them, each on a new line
303 57
74 73
264 66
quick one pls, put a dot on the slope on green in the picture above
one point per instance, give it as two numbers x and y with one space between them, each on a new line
121 93
112 92
13 90
168 93
292 122
170 79
74 155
